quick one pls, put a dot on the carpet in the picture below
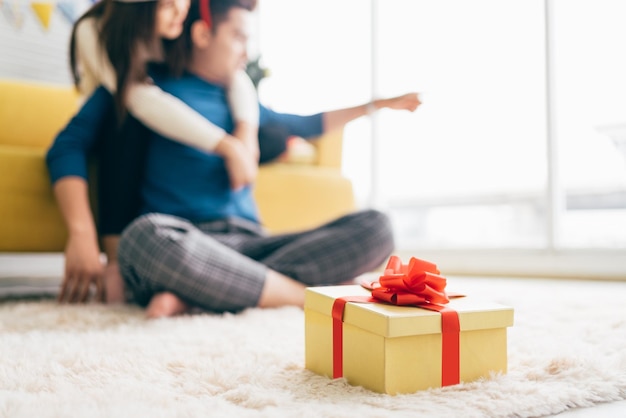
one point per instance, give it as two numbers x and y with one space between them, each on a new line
566 350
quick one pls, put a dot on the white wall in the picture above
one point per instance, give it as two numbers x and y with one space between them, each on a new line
28 49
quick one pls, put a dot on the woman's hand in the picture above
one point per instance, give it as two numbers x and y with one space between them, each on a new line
242 167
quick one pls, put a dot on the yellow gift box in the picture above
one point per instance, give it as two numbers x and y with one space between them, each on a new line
398 349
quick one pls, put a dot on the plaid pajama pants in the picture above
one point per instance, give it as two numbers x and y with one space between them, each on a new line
221 265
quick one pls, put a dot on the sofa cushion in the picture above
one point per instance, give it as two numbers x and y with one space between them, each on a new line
31 114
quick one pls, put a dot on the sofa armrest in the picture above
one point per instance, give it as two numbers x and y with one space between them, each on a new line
296 197
329 149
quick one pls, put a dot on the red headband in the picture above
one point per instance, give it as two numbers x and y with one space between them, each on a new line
205 12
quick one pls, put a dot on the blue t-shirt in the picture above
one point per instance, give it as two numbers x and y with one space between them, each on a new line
179 180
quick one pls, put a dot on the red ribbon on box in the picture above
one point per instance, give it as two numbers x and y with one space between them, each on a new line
415 284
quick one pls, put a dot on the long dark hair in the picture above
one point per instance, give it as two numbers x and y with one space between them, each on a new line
178 51
123 28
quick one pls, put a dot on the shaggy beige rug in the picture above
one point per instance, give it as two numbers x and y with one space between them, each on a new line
567 350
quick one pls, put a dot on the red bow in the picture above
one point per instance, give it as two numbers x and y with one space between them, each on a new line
417 283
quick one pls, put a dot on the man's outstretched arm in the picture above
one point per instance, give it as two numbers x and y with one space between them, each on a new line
335 119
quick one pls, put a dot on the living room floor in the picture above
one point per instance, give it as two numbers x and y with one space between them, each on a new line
31 275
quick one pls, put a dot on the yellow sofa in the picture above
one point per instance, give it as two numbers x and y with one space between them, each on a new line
290 196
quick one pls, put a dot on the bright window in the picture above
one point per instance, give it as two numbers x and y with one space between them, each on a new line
520 144
469 168
590 121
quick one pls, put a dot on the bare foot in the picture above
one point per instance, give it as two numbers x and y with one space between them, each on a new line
113 284
165 304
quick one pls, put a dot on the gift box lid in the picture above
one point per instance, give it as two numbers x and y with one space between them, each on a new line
398 321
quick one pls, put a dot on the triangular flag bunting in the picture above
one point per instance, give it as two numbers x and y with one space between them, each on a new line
13 13
67 9
43 12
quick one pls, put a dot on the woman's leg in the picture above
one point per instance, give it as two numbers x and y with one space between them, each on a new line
121 158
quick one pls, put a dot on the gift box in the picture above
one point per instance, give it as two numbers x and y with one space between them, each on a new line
402 349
